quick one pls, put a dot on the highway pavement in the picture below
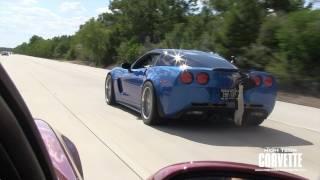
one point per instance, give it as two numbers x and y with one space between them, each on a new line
114 143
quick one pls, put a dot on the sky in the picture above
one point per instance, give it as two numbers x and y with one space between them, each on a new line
20 19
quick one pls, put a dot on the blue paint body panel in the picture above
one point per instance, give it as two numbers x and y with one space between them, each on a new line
173 96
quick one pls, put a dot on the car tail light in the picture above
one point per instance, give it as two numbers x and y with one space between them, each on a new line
202 78
256 80
186 77
268 81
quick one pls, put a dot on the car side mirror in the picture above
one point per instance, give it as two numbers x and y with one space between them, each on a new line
126 66
74 153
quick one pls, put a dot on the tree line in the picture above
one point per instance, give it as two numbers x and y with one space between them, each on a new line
281 37
5 49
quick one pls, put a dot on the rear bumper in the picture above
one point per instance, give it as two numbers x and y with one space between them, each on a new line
221 111
175 100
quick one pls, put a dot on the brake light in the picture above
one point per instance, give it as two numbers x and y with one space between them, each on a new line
256 80
186 77
268 81
202 78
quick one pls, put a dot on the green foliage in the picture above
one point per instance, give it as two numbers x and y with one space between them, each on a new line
71 54
93 39
148 18
129 51
299 48
191 35
240 27
256 57
280 36
283 5
269 28
51 48
221 5
62 46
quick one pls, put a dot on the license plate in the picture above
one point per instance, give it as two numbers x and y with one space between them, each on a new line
228 94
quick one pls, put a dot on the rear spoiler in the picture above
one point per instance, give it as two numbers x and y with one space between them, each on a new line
225 70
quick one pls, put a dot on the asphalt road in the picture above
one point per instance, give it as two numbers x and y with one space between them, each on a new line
114 143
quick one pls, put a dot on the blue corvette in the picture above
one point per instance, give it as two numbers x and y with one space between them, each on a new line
167 83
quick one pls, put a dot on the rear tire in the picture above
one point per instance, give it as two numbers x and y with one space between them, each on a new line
109 91
149 106
251 120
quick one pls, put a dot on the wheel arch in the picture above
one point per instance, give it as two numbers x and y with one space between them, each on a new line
158 100
115 73
111 74
163 78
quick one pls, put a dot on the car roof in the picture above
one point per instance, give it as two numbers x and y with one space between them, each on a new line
198 58
185 52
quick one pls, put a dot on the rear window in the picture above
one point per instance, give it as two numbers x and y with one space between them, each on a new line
195 59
